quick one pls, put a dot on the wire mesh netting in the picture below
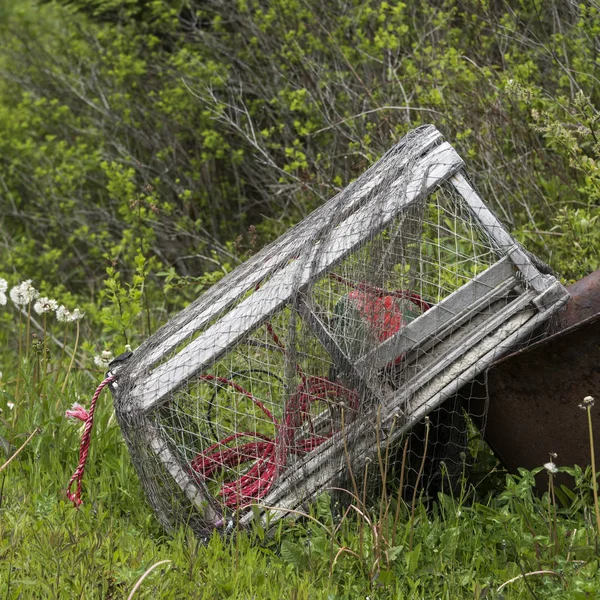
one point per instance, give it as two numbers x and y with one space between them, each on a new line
325 348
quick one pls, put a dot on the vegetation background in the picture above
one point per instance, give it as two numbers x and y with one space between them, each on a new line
147 147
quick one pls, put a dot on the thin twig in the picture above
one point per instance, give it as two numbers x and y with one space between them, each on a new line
374 110
523 575
419 474
347 455
139 581
295 512
35 431
386 467
339 552
400 490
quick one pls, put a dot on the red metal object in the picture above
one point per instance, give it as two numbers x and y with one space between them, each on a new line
534 394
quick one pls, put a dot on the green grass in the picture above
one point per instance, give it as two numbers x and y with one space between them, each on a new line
464 547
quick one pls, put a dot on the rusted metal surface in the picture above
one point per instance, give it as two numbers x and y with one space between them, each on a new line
584 302
534 393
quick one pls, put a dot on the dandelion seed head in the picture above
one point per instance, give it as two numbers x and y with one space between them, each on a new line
45 305
16 295
63 314
551 467
76 315
3 285
2 299
24 293
588 402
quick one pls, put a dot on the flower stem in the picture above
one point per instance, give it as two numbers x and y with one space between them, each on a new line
62 355
28 329
593 460
20 356
64 385
44 350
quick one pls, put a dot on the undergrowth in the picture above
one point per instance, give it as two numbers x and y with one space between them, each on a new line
473 543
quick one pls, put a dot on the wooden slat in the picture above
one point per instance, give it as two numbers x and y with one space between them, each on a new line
494 229
469 365
467 338
267 261
428 398
172 464
273 296
453 311
502 291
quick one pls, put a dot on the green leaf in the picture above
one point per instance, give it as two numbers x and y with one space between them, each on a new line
293 554
324 508
412 559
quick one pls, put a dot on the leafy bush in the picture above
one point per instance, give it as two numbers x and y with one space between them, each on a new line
167 129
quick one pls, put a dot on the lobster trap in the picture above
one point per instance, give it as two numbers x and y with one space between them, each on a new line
327 346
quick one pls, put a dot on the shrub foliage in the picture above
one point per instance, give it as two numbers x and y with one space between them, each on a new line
167 128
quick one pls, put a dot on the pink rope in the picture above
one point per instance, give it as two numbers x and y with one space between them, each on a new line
79 412
268 454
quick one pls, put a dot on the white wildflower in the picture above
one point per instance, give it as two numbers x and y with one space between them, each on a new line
24 293
76 315
588 401
102 361
62 314
45 305
10 405
551 467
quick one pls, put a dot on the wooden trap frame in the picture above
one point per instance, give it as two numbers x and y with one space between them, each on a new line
251 345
